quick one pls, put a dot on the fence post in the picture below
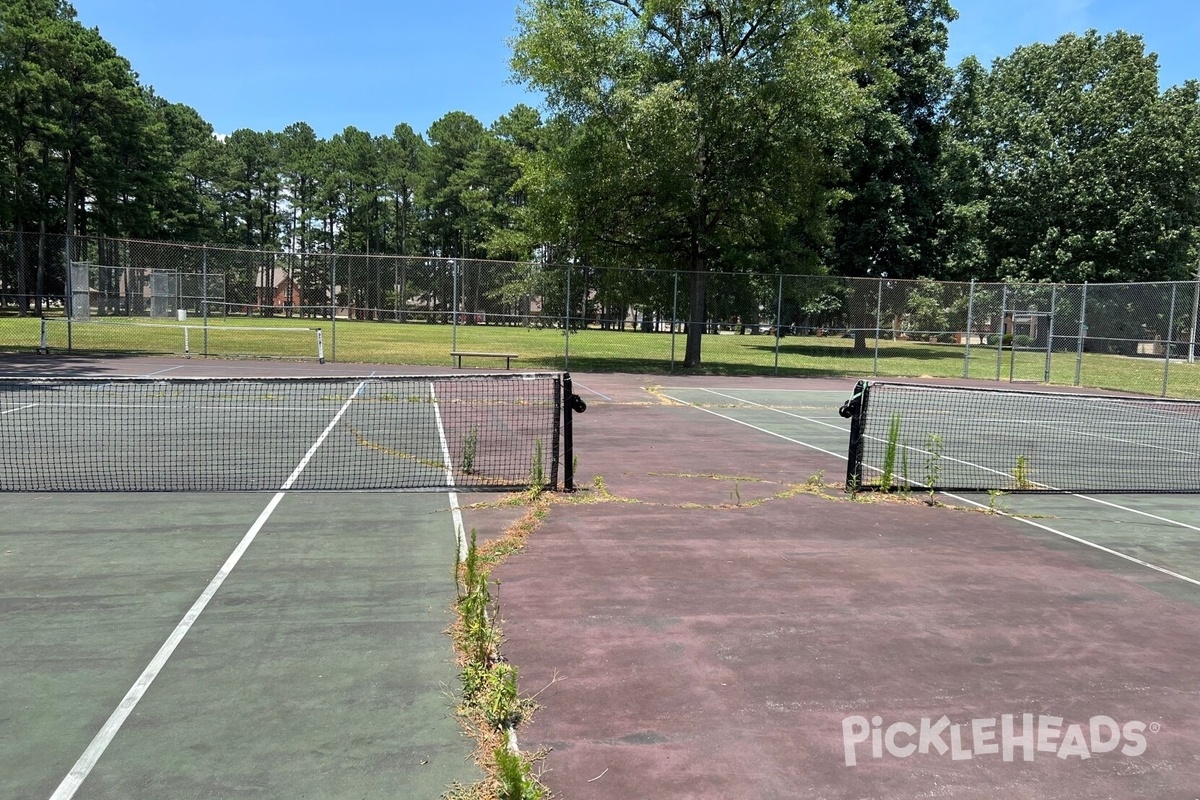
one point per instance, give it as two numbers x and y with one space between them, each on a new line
778 319
1000 343
1082 335
878 323
1169 340
1195 311
674 319
1050 331
333 307
567 324
970 323
69 301
204 292
454 306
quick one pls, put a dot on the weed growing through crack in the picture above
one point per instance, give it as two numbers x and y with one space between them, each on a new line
1021 473
888 475
537 470
489 684
469 445
933 462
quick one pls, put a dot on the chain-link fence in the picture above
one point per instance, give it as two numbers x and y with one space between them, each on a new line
152 297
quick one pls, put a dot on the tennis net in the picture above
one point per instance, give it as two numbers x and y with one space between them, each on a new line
967 439
485 431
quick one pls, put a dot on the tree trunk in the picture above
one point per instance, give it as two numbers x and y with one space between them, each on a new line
22 289
41 267
697 308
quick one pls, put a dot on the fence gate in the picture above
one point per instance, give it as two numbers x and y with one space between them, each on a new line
1028 338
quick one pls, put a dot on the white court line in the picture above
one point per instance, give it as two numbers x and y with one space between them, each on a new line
742 389
755 427
161 371
1083 541
103 739
590 389
18 408
1135 442
1046 528
1135 511
460 533
777 410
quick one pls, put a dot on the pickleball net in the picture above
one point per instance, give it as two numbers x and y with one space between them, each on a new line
908 436
483 431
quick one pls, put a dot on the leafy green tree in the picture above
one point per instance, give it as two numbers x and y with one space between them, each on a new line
92 101
300 157
1089 174
404 156
887 223
186 203
25 77
457 201
962 232
691 132
133 174
252 188
499 167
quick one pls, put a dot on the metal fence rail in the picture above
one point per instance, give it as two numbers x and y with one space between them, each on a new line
605 318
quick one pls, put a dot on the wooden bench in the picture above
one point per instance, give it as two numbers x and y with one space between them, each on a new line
508 357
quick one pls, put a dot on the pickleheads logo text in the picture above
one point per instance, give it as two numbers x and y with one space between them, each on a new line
1004 737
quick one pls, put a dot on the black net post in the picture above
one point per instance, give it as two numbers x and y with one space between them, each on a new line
572 404
855 410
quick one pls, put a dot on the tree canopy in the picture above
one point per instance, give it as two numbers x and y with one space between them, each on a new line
707 136
694 131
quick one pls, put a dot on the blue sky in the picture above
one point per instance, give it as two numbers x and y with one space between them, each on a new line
264 64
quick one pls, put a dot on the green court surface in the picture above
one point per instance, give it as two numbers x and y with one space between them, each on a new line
321 667
1151 537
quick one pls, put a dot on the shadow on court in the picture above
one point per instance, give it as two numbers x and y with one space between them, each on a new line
319 669
704 633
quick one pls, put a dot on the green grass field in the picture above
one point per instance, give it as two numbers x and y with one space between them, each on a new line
429 344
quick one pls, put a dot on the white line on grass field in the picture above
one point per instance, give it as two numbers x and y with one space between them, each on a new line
460 533
108 731
1047 528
